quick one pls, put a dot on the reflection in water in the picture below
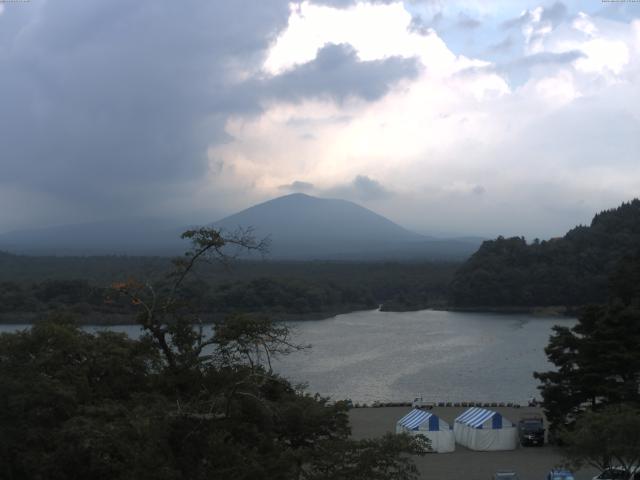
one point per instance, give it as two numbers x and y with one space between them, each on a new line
445 356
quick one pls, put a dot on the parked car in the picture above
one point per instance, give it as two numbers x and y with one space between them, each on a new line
556 474
531 431
505 475
618 473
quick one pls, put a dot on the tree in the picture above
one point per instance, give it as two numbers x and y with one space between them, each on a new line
373 459
185 401
75 405
610 437
598 362
569 271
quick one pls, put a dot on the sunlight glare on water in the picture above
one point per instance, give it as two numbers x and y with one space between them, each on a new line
444 356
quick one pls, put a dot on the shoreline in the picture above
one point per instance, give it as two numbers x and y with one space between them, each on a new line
112 319
540 311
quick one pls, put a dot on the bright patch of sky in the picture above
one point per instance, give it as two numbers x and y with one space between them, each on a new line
474 129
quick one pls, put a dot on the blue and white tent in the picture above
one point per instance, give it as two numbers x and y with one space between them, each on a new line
420 422
485 430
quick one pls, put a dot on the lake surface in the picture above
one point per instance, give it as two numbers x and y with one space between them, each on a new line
444 356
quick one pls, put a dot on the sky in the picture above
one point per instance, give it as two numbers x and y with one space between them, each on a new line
463 117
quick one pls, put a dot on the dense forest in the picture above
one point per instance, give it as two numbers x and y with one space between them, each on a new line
177 403
32 286
570 271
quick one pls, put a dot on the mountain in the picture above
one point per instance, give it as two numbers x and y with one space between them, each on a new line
573 270
301 227
300 223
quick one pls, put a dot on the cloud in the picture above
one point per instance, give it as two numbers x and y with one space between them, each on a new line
348 3
102 117
518 21
466 146
422 27
538 23
478 190
311 27
466 22
504 46
551 16
369 189
547 58
517 68
555 14
362 188
338 74
298 187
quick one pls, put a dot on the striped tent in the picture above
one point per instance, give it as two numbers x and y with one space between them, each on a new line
420 422
481 429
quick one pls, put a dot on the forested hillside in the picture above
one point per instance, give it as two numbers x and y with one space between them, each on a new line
32 286
573 270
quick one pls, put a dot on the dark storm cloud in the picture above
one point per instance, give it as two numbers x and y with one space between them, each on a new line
338 74
104 102
108 107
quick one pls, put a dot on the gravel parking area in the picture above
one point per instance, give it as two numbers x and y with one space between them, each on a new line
531 463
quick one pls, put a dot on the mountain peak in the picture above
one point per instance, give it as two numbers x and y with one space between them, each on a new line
296 195
305 197
304 226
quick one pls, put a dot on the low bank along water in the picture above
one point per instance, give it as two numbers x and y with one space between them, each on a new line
388 356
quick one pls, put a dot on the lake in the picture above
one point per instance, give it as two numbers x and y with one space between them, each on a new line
444 356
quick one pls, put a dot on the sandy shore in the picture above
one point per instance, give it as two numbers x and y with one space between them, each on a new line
531 463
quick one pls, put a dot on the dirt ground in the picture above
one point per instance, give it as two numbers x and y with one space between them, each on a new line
531 463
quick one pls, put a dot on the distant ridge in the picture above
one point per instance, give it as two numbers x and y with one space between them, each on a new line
300 227
573 270
142 236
